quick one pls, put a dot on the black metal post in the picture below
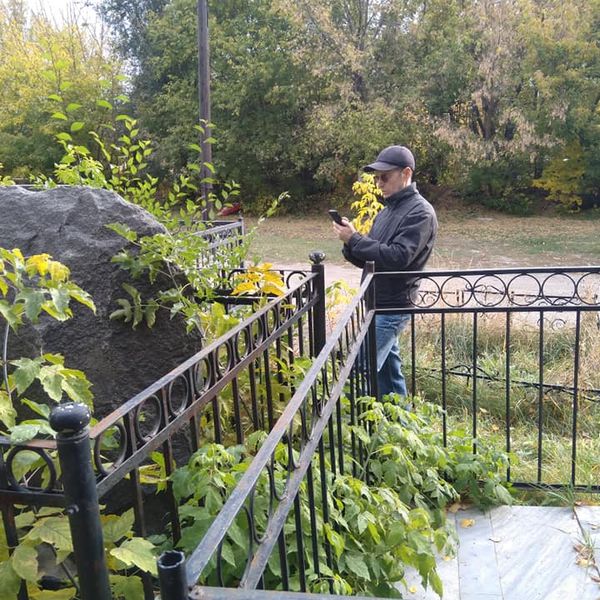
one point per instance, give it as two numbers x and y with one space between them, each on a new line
171 576
319 317
204 99
71 421
372 343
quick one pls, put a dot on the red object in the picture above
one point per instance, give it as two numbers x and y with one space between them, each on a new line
230 210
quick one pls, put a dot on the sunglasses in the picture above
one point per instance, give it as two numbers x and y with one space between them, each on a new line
385 177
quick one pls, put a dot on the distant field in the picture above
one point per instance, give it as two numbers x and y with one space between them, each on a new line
466 240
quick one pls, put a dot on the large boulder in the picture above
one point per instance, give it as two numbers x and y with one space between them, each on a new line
69 223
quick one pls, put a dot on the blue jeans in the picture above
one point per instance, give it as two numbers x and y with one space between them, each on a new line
389 365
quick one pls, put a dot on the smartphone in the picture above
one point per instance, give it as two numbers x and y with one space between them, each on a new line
335 216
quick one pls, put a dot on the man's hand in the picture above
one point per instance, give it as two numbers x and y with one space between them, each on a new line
345 230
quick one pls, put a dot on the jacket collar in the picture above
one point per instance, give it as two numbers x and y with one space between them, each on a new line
409 190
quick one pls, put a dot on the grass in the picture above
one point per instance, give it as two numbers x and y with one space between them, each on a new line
557 406
466 239
473 239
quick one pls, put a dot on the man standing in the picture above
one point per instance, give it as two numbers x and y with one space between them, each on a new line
401 239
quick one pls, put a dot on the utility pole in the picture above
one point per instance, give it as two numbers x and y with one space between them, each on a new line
204 98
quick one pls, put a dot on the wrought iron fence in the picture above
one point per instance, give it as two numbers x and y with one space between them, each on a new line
468 332
504 352
236 385
222 239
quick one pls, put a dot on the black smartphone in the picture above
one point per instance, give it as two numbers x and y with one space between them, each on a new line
335 216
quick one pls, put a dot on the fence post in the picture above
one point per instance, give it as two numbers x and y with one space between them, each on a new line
319 319
372 343
71 422
172 576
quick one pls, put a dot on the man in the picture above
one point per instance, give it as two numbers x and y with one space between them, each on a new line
401 239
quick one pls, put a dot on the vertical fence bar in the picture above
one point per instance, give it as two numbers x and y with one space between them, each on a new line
71 421
12 541
507 390
475 408
371 349
319 316
413 352
575 395
540 397
444 400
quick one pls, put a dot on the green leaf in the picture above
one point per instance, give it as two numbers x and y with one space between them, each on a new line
104 104
8 414
357 565
123 231
335 539
61 298
64 136
51 380
25 563
26 372
77 387
117 527
137 552
77 126
126 587
60 116
436 583
9 314
55 97
66 594
227 554
33 301
10 582
73 106
54 531
23 433
82 297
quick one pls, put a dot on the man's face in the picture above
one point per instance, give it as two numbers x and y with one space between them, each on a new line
390 182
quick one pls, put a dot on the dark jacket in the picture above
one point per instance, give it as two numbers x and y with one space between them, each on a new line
401 239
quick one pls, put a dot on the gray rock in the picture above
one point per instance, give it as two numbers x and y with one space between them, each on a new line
69 223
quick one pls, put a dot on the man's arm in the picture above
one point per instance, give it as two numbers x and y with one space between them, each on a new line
411 238
348 256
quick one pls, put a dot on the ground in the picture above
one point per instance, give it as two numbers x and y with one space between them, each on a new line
467 239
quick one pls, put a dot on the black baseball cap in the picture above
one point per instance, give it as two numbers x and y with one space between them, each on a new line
392 157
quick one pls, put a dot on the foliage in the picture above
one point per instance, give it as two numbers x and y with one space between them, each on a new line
40 58
310 89
49 531
5 179
562 177
368 204
259 280
386 515
29 287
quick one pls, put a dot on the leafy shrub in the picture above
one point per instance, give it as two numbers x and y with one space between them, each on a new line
386 515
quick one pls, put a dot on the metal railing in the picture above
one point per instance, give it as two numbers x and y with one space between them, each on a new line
453 317
484 344
232 387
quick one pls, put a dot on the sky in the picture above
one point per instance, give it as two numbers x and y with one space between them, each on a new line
59 9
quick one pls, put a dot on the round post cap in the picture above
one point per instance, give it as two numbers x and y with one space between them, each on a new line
70 417
317 257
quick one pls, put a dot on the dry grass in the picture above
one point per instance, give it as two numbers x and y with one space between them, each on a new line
467 239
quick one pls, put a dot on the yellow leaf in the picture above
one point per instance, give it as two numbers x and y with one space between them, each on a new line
269 288
38 263
58 271
467 523
244 288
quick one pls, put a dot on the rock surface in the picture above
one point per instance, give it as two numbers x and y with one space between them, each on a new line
69 223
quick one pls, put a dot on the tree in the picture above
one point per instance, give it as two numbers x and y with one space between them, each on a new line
38 60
